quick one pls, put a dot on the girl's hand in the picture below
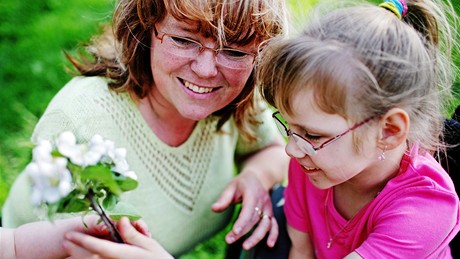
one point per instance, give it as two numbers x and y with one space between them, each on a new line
137 238
256 210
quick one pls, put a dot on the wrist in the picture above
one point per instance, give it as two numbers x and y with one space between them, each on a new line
7 245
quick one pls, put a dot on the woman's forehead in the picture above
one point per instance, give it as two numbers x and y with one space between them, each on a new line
238 22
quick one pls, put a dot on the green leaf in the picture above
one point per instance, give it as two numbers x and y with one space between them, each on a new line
124 210
126 183
109 202
75 205
52 209
103 176
118 216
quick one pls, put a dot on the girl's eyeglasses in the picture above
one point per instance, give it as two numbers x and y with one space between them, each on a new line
188 48
306 146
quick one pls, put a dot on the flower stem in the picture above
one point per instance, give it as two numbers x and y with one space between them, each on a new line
99 210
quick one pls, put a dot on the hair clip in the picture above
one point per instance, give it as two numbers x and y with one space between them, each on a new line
398 7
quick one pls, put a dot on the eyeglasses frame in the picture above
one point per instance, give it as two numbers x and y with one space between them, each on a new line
202 47
289 133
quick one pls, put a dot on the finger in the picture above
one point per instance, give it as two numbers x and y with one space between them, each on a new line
79 245
259 232
225 199
248 217
91 224
274 233
132 236
75 251
142 227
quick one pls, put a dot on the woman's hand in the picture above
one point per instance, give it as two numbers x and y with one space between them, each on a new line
261 171
135 234
256 210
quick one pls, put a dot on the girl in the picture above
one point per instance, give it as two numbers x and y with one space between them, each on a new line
173 83
359 96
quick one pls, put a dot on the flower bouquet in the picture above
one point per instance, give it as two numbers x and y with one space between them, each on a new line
71 177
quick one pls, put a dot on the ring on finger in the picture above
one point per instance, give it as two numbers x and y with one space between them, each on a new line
259 212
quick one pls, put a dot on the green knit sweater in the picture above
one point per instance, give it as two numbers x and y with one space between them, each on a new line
177 185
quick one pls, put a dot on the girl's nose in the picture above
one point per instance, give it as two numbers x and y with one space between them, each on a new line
204 65
293 150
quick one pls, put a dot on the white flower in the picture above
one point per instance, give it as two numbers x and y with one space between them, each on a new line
51 180
130 174
42 152
81 154
120 165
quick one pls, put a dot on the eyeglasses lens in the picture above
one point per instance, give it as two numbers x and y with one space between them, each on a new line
227 57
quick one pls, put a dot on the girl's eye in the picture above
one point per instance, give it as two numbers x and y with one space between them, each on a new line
311 137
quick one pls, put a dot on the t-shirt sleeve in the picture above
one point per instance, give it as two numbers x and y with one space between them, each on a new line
421 221
295 206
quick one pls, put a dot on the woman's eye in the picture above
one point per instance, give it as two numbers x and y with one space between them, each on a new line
233 53
183 42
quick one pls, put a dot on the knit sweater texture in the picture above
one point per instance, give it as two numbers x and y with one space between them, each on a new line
177 185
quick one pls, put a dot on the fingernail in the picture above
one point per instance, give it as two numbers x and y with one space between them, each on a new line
247 245
230 239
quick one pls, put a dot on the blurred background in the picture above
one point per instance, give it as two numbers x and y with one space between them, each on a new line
33 37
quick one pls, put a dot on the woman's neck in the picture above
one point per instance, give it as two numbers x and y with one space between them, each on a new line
167 124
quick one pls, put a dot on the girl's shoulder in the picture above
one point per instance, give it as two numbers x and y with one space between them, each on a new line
421 168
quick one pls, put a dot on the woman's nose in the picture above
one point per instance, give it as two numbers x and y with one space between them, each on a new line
204 65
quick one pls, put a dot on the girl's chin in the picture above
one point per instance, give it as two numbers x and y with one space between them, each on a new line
319 182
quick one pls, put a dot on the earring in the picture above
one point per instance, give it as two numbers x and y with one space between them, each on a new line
382 156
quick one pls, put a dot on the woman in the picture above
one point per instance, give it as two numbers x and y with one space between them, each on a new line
172 82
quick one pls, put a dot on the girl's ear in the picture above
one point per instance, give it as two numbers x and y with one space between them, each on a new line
394 128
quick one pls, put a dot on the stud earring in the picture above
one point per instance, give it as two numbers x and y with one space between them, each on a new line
381 157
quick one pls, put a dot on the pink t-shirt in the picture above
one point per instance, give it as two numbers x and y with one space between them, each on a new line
416 215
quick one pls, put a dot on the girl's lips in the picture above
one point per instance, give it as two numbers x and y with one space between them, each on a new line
197 89
310 169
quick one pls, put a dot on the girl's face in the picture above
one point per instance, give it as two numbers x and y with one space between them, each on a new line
194 87
337 162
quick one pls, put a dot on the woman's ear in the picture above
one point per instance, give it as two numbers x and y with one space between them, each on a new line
394 126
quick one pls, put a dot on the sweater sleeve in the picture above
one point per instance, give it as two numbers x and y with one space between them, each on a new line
18 208
62 114
265 132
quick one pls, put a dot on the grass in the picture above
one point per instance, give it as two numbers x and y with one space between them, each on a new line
33 35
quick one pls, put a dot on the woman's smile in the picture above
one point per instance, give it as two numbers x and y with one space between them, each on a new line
198 89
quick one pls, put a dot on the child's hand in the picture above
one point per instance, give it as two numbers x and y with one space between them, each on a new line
135 234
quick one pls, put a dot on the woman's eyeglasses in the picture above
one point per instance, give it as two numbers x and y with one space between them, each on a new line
306 146
188 48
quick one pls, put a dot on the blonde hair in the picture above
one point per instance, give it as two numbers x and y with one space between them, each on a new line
362 60
122 52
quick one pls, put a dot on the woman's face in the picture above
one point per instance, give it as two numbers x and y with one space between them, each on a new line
335 163
194 87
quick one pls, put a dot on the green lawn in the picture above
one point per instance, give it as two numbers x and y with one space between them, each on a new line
33 35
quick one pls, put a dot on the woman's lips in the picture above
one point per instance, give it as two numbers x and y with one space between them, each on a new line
197 89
